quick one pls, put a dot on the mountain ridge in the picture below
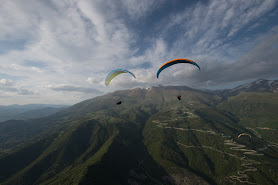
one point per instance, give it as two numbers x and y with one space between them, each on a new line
151 138
260 85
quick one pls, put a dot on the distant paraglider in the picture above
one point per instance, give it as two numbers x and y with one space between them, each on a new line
115 73
243 134
119 103
176 61
179 97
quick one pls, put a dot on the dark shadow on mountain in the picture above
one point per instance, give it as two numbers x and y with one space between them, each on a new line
127 162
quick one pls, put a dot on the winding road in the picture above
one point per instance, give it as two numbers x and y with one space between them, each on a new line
246 162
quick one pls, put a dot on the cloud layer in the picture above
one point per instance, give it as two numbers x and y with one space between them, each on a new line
60 52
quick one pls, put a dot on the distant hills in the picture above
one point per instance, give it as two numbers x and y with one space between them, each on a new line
151 138
29 111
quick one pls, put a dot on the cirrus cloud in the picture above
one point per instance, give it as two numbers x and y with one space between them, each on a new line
75 44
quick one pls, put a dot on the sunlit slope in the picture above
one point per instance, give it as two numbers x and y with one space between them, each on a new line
103 150
86 150
75 145
203 139
257 111
151 138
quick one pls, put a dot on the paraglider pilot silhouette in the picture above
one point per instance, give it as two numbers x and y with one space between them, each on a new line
116 72
173 62
112 75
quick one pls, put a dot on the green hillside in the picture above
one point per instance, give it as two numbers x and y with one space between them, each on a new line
152 138
258 112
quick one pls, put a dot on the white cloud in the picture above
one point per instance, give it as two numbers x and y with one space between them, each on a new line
260 62
14 91
92 80
207 26
95 80
9 88
138 9
74 39
36 69
27 92
73 88
79 42
6 82
14 22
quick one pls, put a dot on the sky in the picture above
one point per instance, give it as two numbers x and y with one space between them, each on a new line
59 52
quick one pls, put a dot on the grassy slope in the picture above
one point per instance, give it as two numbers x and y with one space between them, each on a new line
256 111
119 144
166 145
79 142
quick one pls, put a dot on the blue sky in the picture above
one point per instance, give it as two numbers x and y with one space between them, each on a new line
61 51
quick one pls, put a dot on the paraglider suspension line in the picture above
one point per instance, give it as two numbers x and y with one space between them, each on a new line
188 134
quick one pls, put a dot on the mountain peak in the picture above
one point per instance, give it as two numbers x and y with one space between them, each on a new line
260 85
260 81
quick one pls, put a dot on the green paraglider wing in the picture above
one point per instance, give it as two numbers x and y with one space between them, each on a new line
176 61
115 73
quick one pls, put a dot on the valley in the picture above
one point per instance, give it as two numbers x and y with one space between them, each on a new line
152 138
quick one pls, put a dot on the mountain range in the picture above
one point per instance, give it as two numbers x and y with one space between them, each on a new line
29 111
151 138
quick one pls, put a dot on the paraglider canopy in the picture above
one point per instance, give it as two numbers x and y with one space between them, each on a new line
179 97
119 103
176 61
243 134
114 73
